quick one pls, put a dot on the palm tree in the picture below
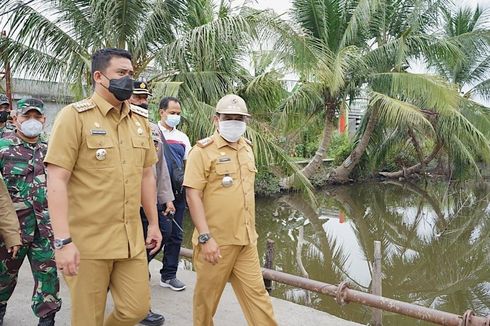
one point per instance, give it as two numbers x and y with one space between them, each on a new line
364 47
194 48
469 125
54 39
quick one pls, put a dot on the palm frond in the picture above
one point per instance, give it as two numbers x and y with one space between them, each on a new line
397 113
429 92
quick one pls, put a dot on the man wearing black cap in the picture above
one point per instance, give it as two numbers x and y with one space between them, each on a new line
5 126
165 194
140 94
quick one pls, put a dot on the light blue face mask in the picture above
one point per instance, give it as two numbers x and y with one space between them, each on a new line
172 120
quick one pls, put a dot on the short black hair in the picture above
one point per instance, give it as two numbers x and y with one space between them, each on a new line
166 100
101 58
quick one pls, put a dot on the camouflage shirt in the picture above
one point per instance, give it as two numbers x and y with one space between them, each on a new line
22 167
8 128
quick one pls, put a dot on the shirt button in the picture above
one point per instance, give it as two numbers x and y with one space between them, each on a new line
127 202
123 162
126 182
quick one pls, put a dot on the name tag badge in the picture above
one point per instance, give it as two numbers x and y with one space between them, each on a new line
224 159
98 132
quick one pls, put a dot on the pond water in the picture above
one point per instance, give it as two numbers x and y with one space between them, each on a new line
435 244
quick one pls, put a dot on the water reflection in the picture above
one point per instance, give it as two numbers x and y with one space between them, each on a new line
435 240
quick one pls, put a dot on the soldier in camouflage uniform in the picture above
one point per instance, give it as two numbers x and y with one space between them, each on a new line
21 164
5 125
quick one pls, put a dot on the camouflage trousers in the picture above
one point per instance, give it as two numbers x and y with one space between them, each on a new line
45 297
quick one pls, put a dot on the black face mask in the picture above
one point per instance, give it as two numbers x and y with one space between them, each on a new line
4 116
121 88
143 105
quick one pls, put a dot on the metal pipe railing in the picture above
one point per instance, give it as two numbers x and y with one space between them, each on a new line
343 295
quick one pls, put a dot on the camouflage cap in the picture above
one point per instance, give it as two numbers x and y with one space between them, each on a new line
4 99
232 104
26 104
140 88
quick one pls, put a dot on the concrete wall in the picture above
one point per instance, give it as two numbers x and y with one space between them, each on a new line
54 95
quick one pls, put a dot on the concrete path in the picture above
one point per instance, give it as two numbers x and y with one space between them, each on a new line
176 306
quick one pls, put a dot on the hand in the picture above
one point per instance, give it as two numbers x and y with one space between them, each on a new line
13 250
68 259
153 238
170 208
211 252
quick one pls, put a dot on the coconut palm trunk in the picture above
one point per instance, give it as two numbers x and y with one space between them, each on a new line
328 131
414 168
342 172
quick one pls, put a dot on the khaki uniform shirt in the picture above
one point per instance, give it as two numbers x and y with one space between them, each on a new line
106 150
230 211
9 223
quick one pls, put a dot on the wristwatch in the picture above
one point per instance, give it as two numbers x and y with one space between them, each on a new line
60 243
203 238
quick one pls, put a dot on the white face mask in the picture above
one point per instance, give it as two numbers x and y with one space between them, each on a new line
231 130
172 120
31 128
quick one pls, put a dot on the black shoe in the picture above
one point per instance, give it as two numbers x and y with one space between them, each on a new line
153 319
47 320
3 308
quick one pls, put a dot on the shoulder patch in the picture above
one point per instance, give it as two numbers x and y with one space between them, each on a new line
84 105
139 110
249 142
205 142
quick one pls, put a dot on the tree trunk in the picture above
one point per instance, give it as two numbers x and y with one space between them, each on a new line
416 145
328 131
342 172
317 160
414 168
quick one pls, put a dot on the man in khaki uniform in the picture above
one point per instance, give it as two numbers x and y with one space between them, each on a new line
9 223
100 160
221 170
9 231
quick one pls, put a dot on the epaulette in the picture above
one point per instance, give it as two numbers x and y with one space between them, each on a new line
205 142
249 142
139 110
84 105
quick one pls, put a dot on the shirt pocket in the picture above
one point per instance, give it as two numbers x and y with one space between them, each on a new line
101 153
227 168
15 174
140 148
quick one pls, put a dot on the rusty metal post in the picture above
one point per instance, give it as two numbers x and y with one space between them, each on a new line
343 295
269 262
376 283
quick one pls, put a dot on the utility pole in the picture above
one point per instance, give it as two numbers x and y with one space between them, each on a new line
7 76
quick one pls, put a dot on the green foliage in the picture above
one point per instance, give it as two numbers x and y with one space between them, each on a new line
266 184
342 52
340 148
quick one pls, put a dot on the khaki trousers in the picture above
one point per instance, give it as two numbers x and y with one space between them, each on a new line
239 265
127 280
